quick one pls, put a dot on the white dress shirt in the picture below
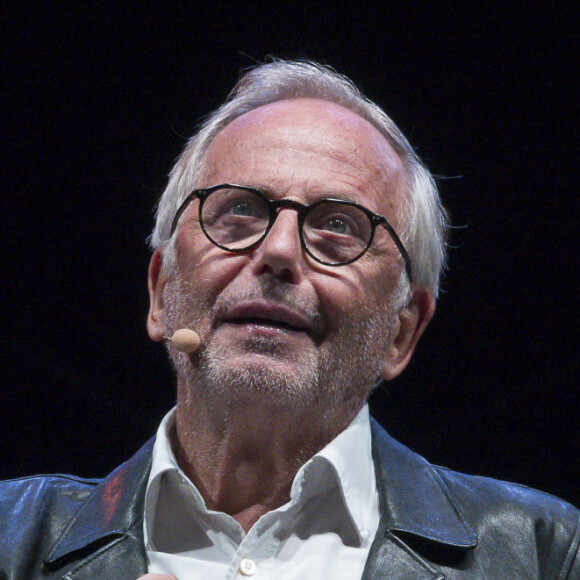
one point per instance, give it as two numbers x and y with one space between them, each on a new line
324 531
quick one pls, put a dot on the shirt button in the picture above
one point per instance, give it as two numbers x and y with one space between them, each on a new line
247 567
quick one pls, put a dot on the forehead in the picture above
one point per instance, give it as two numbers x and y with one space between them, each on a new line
303 147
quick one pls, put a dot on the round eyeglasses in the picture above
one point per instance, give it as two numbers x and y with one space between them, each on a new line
333 232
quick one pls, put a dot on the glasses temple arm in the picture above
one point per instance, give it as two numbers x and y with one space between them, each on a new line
400 247
181 211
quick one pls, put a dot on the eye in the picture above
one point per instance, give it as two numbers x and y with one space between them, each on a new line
244 208
233 206
330 220
337 225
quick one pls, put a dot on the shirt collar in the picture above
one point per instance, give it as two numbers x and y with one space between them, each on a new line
163 461
346 462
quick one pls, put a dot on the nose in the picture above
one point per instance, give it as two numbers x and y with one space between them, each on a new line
280 252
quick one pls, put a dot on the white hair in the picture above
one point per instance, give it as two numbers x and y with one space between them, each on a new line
423 220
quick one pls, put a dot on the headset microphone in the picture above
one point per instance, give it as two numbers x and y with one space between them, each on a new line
185 340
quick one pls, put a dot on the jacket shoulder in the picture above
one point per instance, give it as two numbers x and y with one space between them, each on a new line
491 489
42 493
538 523
34 511
481 497
42 490
52 523
492 524
32 498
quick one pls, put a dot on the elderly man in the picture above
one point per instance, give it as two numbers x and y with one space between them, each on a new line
300 241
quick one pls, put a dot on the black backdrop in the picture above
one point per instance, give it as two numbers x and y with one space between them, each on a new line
97 102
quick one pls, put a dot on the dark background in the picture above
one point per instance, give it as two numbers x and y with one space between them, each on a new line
97 103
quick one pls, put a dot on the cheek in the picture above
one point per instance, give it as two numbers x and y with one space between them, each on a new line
206 267
342 301
359 291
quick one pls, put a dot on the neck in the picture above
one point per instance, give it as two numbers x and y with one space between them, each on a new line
243 457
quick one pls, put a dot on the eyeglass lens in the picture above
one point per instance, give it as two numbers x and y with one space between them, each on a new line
333 233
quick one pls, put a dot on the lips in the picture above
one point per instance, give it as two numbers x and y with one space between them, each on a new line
270 315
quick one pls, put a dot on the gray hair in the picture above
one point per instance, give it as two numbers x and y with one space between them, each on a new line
423 220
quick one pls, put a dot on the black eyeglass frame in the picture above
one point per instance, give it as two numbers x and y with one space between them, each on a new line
303 210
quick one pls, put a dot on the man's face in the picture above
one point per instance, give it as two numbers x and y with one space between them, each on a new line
274 324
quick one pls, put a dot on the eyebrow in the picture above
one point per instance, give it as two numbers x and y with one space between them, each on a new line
309 193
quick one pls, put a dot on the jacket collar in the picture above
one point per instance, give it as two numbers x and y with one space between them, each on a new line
113 510
413 497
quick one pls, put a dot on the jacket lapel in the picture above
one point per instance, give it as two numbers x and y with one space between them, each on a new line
416 509
390 559
104 541
121 558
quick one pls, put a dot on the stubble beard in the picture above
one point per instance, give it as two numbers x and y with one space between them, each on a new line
343 377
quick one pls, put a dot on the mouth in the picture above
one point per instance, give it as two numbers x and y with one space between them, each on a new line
270 322
268 316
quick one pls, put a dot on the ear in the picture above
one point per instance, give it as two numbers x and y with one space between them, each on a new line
412 322
156 282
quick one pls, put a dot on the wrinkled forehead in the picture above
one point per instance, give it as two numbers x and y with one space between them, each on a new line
313 135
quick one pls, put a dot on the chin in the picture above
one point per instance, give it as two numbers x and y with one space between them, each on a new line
266 371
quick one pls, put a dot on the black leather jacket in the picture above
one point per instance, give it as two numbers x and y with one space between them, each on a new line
435 524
